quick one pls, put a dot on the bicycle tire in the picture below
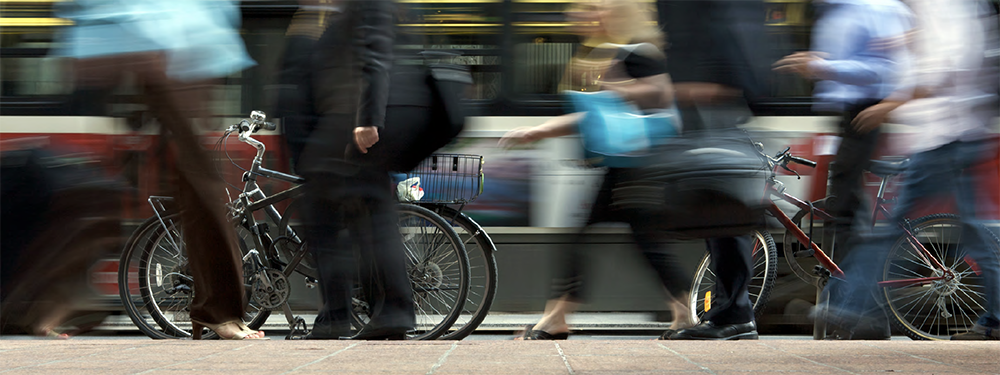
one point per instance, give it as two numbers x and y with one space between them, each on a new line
160 262
958 302
482 272
439 275
765 258
134 305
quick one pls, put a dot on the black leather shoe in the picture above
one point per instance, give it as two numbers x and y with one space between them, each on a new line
322 332
712 331
374 334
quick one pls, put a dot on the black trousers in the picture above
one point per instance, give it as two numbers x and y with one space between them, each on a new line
569 278
360 201
732 258
849 206
732 263
846 177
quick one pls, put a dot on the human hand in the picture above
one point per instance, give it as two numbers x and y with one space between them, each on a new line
518 136
873 116
801 63
365 137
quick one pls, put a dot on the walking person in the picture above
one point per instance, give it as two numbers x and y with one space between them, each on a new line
111 39
715 88
857 58
598 23
950 97
344 61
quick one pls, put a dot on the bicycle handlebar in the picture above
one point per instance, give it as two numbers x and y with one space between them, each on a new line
255 123
803 161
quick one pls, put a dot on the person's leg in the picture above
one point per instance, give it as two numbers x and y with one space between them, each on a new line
568 278
393 312
215 261
849 205
851 298
850 210
978 243
731 316
335 262
567 292
732 263
675 279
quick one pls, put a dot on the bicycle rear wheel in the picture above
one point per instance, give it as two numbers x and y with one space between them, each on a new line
438 268
482 272
164 282
765 258
935 310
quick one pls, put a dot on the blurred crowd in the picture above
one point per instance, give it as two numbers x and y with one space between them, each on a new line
354 109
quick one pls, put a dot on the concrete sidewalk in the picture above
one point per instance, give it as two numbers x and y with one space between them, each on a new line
143 356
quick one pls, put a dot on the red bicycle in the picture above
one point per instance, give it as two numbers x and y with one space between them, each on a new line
930 285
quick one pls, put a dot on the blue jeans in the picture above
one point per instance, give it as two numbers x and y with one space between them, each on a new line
930 173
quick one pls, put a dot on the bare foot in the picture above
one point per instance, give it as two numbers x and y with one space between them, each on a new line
50 333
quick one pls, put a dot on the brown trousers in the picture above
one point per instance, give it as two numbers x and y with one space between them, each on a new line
215 261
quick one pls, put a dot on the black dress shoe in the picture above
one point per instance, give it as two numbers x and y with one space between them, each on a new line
325 332
375 334
712 331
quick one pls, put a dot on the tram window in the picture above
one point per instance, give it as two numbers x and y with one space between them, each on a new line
25 71
34 76
470 27
543 43
789 25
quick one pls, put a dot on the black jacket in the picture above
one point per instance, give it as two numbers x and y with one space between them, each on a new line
354 55
718 41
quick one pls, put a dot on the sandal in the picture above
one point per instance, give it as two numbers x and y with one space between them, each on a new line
48 333
533 334
243 334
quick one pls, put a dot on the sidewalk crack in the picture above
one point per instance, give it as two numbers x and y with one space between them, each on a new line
318 360
193 360
565 360
703 368
807 359
443 358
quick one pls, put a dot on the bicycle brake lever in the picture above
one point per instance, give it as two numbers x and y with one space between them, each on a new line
785 167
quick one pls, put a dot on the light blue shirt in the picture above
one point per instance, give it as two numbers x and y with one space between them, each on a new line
865 43
198 36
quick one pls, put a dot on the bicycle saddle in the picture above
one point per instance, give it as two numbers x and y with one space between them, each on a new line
885 168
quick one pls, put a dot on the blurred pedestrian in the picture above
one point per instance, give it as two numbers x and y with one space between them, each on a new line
60 216
715 87
340 69
174 50
950 97
648 86
857 58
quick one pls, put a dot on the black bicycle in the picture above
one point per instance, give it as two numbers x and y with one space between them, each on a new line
158 300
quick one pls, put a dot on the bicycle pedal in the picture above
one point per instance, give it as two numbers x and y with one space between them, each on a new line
297 329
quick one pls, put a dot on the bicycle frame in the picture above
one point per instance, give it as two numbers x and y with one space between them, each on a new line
251 191
776 189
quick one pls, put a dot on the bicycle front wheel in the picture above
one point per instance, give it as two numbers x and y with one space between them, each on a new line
164 282
938 309
765 258
438 268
